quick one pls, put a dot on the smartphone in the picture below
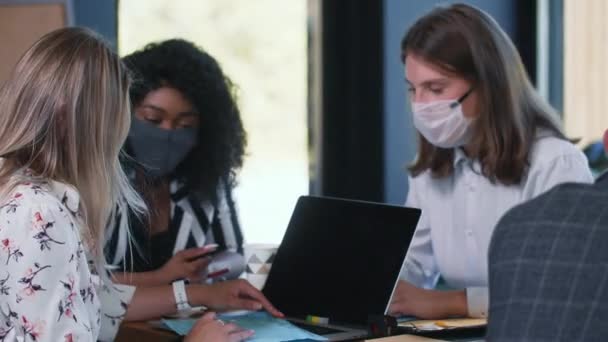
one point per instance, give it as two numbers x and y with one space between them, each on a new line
212 253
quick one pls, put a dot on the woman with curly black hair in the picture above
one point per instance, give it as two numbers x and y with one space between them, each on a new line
186 142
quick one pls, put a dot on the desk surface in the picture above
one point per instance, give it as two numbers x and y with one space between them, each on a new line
143 331
404 338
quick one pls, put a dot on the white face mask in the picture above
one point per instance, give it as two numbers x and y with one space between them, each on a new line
442 123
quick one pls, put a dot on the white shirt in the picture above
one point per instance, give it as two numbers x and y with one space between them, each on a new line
194 228
459 213
48 289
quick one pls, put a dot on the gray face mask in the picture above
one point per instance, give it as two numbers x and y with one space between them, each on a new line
160 150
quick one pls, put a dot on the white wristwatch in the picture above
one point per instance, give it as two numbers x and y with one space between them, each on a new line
181 298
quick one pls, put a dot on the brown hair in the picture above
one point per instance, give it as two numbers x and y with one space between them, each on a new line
465 41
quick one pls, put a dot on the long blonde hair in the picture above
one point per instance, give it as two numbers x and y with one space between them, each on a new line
64 115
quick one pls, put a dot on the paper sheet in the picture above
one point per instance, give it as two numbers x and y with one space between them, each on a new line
266 327
450 323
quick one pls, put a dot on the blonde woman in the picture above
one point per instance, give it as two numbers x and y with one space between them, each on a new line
64 117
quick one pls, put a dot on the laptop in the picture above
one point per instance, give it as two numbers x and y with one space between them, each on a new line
339 261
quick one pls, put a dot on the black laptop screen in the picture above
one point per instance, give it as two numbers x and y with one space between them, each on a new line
340 259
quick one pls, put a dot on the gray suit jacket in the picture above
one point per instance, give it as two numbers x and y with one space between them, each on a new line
548 267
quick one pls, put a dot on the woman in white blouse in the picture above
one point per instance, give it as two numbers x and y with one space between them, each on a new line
64 117
487 142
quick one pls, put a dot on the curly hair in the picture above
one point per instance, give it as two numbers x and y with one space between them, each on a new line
181 65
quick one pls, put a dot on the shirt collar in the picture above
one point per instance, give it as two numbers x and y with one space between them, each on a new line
459 156
67 194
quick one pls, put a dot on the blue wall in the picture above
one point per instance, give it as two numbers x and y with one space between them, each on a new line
400 141
100 16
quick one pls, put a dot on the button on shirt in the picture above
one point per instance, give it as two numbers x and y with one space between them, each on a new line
459 213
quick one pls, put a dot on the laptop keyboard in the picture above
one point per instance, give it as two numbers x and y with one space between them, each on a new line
316 329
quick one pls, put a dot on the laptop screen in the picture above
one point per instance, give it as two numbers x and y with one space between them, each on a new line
340 259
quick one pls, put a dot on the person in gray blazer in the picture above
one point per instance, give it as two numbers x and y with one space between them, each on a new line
548 267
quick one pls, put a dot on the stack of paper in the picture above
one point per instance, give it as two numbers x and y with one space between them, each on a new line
452 323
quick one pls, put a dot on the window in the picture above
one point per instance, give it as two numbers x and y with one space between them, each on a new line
585 69
261 46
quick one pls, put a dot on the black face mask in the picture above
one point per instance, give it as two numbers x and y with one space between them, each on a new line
160 150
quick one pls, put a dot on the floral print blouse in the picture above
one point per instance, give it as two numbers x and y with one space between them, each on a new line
48 289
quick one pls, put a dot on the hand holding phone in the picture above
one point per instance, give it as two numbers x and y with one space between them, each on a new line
188 264
208 251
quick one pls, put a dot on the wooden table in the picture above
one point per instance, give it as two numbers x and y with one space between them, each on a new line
404 338
144 331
